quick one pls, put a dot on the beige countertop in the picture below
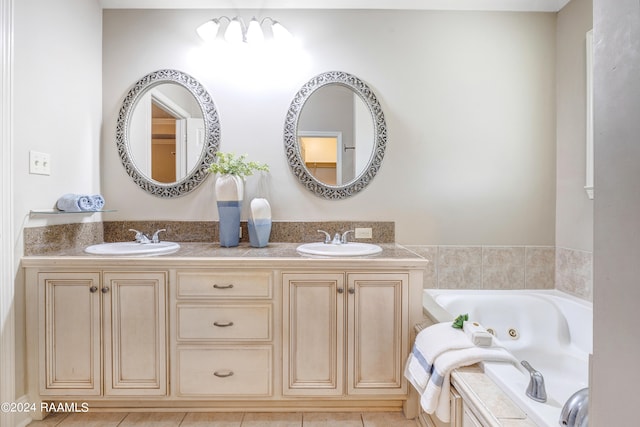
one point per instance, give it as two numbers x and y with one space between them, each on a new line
199 253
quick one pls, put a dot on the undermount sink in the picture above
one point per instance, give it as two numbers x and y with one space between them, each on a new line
133 248
345 249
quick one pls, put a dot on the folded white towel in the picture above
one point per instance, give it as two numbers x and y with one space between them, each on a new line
430 343
436 395
75 203
477 334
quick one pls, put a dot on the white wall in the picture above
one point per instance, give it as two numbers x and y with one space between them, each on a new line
469 100
57 110
616 343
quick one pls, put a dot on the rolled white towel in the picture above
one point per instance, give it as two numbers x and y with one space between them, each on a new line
98 201
75 203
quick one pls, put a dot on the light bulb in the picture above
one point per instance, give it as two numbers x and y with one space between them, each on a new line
209 30
233 34
254 32
280 33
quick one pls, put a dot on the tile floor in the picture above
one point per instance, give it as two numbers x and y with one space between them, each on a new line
236 419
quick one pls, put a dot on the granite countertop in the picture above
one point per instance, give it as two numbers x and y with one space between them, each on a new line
205 251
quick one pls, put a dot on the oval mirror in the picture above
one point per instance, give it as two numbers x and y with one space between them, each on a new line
168 133
335 135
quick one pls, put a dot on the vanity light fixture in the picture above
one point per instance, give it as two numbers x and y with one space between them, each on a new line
237 32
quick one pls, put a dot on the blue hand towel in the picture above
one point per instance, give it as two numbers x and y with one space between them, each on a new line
75 203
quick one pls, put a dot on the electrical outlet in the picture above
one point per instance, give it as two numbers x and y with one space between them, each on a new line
364 233
39 163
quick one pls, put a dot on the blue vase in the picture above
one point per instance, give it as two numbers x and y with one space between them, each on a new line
229 191
259 232
229 223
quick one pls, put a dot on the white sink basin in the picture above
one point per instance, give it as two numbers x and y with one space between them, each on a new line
133 248
346 249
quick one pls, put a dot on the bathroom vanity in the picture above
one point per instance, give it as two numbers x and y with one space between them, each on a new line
221 328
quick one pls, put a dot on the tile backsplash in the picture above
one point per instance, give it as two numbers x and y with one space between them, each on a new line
489 267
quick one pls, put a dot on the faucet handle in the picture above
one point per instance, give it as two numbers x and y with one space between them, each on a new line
140 236
343 239
327 236
535 389
155 238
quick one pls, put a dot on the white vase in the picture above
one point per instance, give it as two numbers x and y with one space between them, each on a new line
229 194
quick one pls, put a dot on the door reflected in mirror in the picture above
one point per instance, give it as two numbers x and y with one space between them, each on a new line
335 134
167 133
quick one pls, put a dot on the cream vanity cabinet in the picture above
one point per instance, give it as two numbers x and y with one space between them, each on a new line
345 326
224 333
99 333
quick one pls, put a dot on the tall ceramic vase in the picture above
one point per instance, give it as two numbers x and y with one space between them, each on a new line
229 194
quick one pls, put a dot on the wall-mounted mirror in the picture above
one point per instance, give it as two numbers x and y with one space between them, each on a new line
335 135
168 133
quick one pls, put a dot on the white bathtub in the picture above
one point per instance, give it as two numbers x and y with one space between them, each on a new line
553 332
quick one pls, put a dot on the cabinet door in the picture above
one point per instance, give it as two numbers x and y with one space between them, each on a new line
313 334
377 333
135 333
69 306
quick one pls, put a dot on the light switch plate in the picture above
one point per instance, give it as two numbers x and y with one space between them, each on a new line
39 163
363 233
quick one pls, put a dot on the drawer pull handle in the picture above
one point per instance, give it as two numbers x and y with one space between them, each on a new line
223 374
229 286
222 324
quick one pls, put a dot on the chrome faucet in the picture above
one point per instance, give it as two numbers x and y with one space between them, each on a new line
535 390
575 411
327 237
155 238
343 239
140 236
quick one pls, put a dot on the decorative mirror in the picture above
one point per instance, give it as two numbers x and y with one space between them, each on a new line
335 135
168 133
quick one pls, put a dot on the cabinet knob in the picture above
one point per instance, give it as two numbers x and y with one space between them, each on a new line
229 286
223 374
93 289
340 290
222 324
105 290
352 291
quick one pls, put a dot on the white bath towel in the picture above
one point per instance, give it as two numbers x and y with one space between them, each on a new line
430 343
436 395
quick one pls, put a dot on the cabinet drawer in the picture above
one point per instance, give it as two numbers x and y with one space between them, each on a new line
221 284
224 322
224 371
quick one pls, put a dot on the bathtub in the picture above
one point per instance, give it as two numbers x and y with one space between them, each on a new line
550 329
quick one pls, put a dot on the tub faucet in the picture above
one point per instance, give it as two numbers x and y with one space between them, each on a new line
535 390
574 412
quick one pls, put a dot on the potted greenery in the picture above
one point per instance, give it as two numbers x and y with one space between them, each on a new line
229 191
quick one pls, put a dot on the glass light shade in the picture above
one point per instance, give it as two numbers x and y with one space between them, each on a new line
209 30
280 33
233 34
254 32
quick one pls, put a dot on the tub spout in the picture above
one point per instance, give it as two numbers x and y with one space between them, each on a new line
536 389
574 412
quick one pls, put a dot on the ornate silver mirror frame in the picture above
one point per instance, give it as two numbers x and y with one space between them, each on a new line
292 148
211 142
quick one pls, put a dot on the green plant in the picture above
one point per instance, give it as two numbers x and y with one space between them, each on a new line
229 164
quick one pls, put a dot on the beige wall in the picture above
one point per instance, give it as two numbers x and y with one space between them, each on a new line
57 110
574 210
616 343
469 100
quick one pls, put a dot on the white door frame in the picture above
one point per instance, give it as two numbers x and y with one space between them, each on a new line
7 273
